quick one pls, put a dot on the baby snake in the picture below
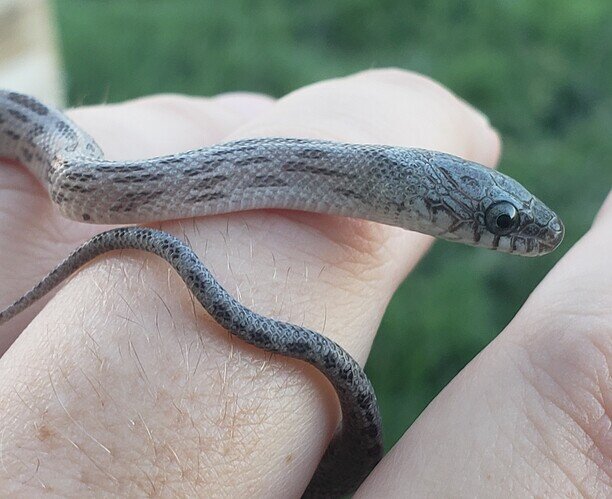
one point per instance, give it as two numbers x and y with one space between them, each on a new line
425 191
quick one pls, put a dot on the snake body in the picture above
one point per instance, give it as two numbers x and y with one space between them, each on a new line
426 191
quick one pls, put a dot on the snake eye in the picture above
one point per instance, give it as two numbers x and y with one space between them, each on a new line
501 218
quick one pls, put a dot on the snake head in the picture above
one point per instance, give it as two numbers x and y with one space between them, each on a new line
515 221
488 209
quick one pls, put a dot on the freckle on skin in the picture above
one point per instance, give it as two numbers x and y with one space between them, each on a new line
44 433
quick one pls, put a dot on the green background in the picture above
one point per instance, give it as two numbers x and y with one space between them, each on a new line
542 72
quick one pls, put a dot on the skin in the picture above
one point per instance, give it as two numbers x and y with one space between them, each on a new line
119 384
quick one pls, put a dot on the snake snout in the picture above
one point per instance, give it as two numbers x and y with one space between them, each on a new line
553 236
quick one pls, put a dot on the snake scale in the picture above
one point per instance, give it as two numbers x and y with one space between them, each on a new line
421 190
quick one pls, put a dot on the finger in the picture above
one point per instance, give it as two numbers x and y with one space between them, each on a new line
200 399
167 124
245 104
35 237
423 114
532 412
379 106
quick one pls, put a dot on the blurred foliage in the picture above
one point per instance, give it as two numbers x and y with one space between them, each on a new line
540 70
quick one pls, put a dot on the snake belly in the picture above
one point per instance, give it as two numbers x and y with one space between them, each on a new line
426 191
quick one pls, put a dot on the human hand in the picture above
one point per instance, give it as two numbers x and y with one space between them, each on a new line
122 384
530 415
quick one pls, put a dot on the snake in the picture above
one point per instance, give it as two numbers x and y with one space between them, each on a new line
420 190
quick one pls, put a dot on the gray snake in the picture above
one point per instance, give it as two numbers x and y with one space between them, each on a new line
426 191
